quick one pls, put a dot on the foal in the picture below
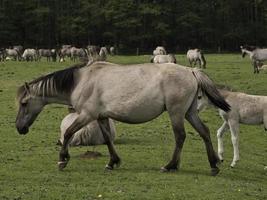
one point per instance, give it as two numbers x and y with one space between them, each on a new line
245 109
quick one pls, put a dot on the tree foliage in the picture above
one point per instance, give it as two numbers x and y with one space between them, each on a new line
131 24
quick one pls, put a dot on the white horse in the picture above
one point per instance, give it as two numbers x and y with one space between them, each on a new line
129 93
256 55
103 54
12 53
159 51
30 55
170 58
194 56
88 135
245 109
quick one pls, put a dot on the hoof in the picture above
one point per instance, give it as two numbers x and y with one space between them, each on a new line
163 170
214 171
62 165
108 168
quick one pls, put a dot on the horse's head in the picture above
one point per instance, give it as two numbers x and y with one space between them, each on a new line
29 108
243 51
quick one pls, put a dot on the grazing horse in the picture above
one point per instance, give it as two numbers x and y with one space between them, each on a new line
159 51
170 58
77 53
29 55
194 56
19 49
88 135
12 53
96 92
245 109
63 52
256 55
45 53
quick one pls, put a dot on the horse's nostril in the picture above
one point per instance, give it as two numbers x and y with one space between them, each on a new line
23 130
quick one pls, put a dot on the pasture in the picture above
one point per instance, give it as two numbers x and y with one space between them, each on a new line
29 163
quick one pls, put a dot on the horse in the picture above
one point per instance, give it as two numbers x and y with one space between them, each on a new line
77 53
159 51
63 52
12 53
88 135
245 109
170 58
93 50
194 56
29 55
103 54
45 53
256 55
96 92
19 49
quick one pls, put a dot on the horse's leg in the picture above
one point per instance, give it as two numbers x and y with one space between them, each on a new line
177 122
265 119
234 128
106 131
220 133
76 125
255 66
204 132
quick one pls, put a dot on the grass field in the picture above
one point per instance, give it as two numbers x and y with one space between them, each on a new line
28 164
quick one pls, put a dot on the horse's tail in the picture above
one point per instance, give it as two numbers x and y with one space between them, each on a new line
203 60
210 90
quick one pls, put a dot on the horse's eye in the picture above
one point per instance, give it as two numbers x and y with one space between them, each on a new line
199 97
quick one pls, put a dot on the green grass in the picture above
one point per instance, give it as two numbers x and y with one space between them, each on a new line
28 164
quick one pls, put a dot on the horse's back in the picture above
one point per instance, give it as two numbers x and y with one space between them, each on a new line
141 89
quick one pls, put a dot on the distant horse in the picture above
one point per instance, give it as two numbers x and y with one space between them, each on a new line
103 54
63 52
47 53
127 93
194 56
93 50
12 53
29 55
256 55
159 51
245 109
112 51
89 135
77 53
2 54
170 58
19 49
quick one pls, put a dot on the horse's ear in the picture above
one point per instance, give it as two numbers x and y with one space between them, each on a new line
27 87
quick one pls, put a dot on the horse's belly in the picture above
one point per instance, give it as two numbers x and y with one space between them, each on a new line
251 118
135 113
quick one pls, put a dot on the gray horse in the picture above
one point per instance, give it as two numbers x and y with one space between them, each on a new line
256 55
195 56
88 135
12 53
129 93
170 58
245 109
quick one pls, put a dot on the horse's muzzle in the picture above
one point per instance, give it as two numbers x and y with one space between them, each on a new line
23 130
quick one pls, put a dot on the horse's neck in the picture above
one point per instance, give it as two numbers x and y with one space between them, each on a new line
50 95
250 53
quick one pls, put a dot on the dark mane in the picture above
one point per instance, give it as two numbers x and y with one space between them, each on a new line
249 47
60 81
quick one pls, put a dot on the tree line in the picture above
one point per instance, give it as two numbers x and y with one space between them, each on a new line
129 24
